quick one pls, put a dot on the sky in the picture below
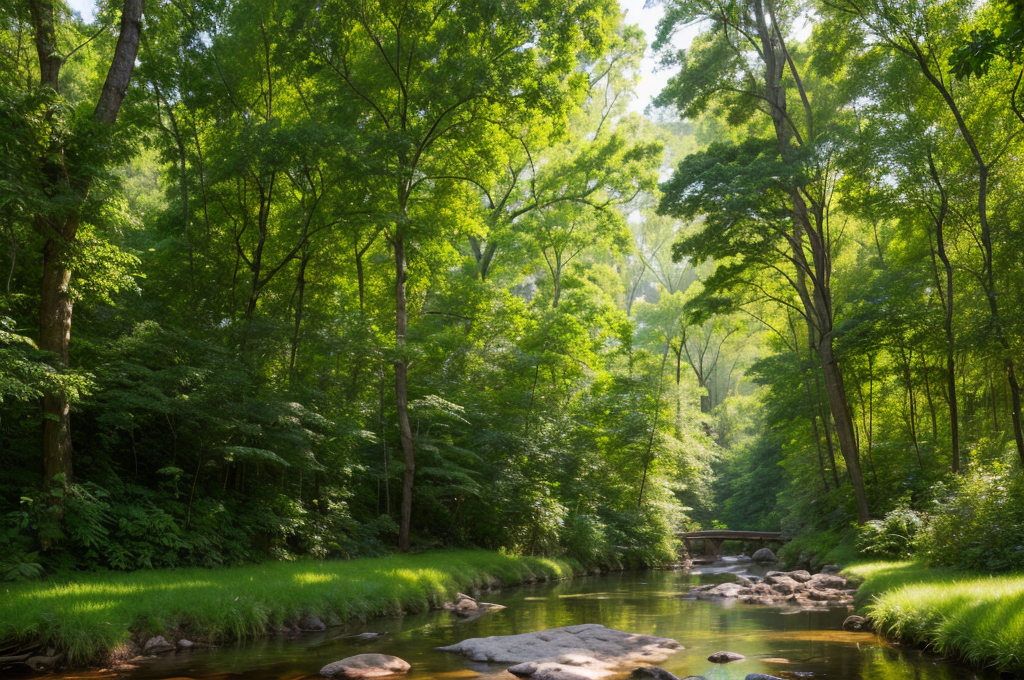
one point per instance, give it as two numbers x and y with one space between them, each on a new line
651 82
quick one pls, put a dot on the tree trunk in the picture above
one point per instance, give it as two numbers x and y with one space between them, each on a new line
824 414
402 393
814 426
360 280
300 292
55 307
836 393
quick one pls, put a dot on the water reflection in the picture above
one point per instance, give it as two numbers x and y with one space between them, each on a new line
774 641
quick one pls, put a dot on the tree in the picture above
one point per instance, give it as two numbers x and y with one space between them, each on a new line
742 60
78 152
910 29
427 77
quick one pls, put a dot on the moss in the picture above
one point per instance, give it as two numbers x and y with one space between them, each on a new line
89 617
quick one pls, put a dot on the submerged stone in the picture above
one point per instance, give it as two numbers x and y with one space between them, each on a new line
366 666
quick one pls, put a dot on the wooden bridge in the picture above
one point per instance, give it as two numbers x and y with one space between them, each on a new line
712 540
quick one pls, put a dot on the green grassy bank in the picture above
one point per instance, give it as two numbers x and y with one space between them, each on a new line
977 618
92 615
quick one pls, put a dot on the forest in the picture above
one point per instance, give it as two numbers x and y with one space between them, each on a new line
309 279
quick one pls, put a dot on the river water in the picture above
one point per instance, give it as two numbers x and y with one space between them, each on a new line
789 644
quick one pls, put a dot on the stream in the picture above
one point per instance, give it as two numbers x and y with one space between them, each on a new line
777 642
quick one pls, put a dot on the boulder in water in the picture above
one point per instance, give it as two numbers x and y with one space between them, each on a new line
857 624
311 622
157 644
467 606
764 556
584 652
651 673
725 657
366 666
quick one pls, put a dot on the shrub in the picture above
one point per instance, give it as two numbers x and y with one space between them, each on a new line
893 536
978 523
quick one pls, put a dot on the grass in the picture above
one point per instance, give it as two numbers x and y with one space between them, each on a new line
975 617
91 616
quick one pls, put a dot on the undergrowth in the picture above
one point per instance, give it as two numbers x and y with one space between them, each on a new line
90 617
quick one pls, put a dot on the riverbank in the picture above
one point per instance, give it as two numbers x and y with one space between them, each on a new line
96 616
977 618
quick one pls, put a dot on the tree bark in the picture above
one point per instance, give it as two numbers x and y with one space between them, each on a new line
55 307
402 393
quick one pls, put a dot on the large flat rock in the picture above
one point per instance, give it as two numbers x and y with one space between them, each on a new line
585 652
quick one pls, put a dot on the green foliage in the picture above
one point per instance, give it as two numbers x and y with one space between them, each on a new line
893 536
977 522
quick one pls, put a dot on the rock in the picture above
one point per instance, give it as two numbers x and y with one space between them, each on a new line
311 622
744 581
821 581
825 595
651 673
760 676
728 590
583 652
185 644
725 657
468 606
556 670
800 575
764 556
830 569
783 585
366 666
763 600
43 663
857 624
465 606
157 645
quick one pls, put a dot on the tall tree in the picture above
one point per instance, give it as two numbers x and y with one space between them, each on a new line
429 78
913 30
68 168
743 60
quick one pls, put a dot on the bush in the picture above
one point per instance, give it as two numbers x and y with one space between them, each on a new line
893 536
978 523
